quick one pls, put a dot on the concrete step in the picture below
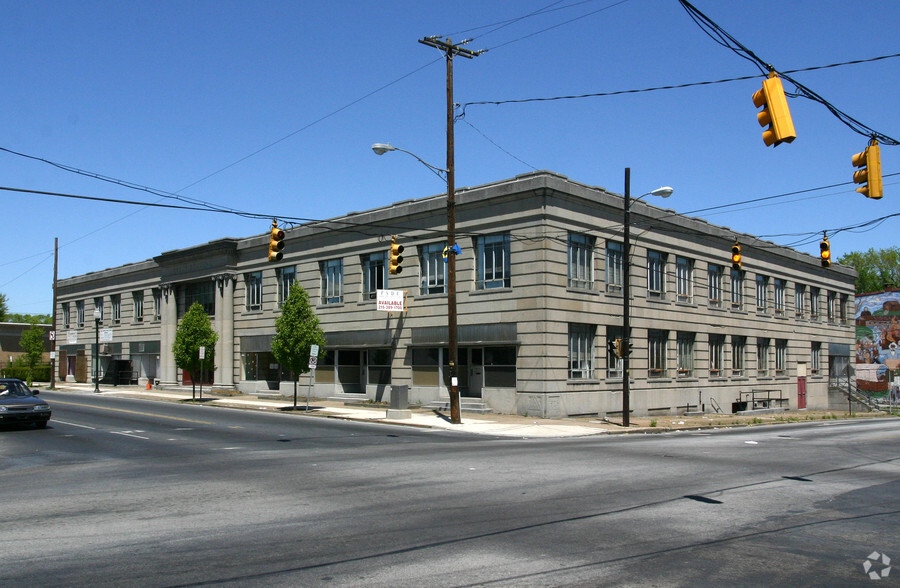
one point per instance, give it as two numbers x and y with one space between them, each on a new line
465 405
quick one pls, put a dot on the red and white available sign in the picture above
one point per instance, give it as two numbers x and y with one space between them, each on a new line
389 300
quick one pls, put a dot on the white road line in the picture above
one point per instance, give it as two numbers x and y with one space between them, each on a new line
55 421
129 434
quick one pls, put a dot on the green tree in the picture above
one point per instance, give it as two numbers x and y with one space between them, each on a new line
877 269
30 319
195 331
3 308
32 343
296 331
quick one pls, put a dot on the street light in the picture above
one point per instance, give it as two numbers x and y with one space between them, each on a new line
452 334
663 192
97 350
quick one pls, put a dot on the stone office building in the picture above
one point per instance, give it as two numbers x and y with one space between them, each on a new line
539 297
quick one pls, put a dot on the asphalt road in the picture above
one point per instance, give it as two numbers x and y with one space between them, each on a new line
125 492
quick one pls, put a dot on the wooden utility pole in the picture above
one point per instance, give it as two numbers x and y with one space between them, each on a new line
450 51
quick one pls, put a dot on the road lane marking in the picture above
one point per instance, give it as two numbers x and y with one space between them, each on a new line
137 412
129 434
57 421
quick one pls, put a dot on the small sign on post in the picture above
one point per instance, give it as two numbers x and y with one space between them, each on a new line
313 360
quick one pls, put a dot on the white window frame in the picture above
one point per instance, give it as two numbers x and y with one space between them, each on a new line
581 261
685 354
287 277
433 269
762 356
714 284
615 259
581 351
762 293
780 287
493 269
375 274
137 300
684 278
657 362
716 355
656 274
333 281
738 355
781 347
737 289
253 287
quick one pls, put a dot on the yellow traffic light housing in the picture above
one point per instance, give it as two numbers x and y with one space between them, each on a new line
276 242
396 259
736 256
870 173
620 348
775 113
825 252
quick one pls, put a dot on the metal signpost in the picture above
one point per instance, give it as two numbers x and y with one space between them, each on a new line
313 360
202 357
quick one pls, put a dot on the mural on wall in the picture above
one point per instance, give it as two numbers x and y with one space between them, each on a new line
878 344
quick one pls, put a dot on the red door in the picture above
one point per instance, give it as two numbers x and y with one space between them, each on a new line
801 392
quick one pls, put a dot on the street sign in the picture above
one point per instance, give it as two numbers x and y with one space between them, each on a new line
202 352
313 356
106 335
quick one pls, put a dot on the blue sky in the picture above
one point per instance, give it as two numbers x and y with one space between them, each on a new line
271 107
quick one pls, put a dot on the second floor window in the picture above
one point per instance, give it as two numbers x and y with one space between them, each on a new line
332 281
98 305
374 274
814 303
433 269
799 301
157 304
614 263
714 282
779 296
79 311
254 290
684 278
137 299
656 273
581 261
737 289
115 302
493 262
816 358
762 288
287 276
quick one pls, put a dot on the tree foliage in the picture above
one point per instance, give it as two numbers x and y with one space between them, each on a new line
195 331
296 331
877 269
4 309
28 319
32 343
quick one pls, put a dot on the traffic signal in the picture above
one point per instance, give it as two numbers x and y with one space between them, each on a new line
870 174
613 347
736 256
825 252
396 259
276 242
620 348
775 113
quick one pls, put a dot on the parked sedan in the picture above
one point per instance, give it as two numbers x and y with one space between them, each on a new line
18 404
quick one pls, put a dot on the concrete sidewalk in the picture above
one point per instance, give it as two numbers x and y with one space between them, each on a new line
493 424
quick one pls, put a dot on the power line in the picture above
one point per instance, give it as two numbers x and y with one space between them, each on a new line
668 87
